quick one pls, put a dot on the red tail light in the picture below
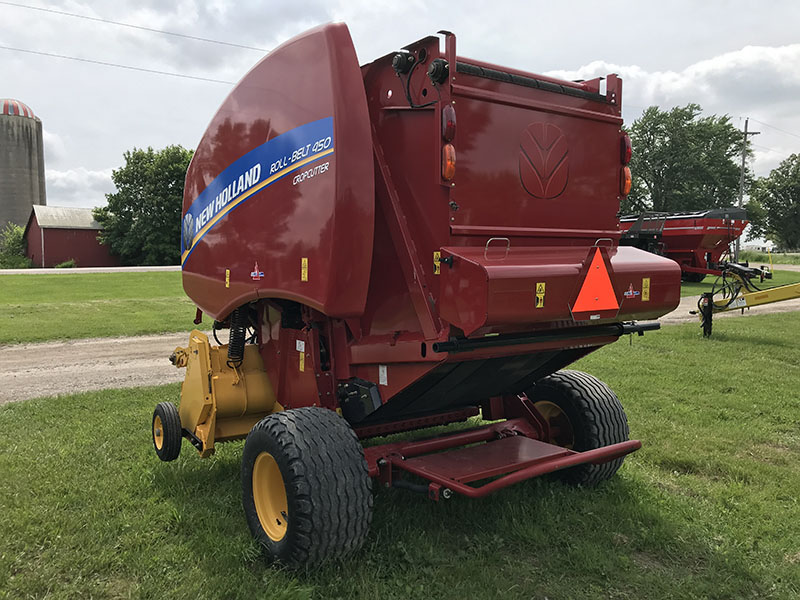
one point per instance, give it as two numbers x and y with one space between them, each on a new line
448 123
625 149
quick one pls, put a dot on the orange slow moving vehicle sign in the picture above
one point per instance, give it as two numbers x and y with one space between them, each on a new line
596 298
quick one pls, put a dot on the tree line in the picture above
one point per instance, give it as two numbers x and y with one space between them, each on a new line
683 161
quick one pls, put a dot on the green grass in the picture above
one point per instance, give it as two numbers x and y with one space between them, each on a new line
707 509
35 308
762 258
778 278
67 306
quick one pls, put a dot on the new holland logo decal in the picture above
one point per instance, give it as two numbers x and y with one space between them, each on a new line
543 160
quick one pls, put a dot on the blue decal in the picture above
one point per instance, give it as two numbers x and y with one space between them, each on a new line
251 173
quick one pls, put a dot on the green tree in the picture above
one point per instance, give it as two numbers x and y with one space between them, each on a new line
757 217
12 248
141 223
778 195
682 161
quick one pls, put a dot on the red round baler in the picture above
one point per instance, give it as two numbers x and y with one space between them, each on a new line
410 243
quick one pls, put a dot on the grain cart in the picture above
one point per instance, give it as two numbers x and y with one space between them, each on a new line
410 243
698 241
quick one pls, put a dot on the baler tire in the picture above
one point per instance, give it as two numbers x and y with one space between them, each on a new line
168 444
328 491
595 414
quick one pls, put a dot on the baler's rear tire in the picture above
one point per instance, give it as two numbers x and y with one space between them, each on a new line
595 416
306 490
167 435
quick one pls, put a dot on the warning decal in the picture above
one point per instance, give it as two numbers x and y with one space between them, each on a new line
540 287
597 294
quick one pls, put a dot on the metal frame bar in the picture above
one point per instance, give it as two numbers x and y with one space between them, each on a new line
596 456
404 244
385 460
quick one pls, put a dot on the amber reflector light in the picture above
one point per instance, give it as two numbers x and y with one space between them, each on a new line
448 161
625 181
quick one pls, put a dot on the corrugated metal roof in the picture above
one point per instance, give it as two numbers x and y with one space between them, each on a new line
62 217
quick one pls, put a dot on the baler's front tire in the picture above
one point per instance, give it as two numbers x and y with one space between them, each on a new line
167 435
306 491
586 414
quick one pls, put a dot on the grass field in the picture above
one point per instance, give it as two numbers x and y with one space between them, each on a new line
709 508
762 258
65 306
778 278
35 308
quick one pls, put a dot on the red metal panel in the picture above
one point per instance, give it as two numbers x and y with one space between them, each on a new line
511 137
498 285
311 237
486 460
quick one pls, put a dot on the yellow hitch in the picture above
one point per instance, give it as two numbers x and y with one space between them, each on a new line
221 402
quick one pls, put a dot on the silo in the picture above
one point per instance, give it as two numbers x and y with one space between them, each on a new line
21 162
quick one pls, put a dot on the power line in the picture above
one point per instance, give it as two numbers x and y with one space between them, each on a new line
779 152
776 128
132 26
117 65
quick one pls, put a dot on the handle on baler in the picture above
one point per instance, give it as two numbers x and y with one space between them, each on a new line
492 239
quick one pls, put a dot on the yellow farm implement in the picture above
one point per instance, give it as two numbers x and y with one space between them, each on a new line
736 290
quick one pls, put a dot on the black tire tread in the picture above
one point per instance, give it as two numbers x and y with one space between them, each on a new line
173 436
327 484
596 415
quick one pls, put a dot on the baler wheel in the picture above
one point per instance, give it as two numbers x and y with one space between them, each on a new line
306 491
595 415
167 431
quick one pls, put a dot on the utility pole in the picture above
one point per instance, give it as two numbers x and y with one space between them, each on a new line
741 178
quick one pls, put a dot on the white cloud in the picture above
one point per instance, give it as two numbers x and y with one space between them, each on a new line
740 59
78 187
54 148
757 81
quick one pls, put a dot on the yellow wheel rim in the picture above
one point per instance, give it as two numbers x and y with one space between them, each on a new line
561 433
269 496
158 433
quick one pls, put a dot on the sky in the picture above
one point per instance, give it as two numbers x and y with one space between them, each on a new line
740 59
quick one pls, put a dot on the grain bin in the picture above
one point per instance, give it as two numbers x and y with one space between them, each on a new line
21 162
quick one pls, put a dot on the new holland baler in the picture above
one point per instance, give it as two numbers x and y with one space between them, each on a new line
413 242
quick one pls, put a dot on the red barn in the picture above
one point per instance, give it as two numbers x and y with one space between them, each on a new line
56 234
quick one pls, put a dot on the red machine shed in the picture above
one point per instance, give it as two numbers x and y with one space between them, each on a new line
56 234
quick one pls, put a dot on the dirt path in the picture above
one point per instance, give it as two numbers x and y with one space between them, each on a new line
51 368
681 314
778 267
